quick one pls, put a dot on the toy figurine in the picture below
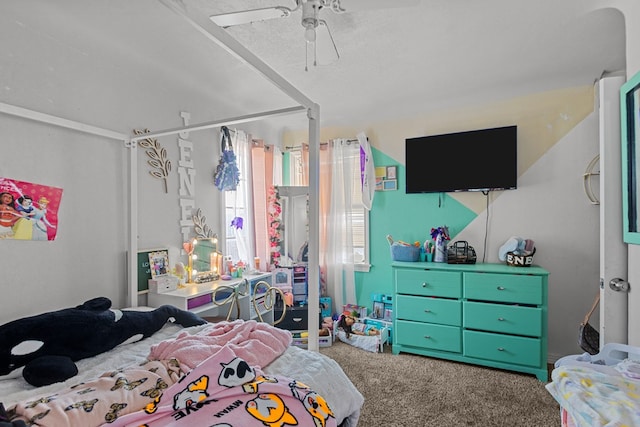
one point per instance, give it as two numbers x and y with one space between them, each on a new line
348 324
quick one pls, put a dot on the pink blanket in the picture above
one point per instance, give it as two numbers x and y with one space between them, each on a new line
257 343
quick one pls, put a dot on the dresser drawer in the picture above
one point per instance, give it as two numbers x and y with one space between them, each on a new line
429 309
502 348
508 319
515 288
427 335
446 284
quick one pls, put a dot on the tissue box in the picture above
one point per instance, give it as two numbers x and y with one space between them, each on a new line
163 284
405 253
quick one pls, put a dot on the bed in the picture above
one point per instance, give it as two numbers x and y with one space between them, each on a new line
598 390
320 373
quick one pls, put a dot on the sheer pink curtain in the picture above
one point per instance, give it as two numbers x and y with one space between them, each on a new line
262 178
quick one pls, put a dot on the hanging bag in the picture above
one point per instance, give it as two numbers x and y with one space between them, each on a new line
588 337
227 175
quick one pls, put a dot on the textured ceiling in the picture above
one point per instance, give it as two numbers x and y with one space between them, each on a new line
394 62
439 54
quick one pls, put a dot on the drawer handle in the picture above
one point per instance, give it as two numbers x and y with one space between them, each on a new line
428 337
501 319
500 349
424 284
501 288
427 311
297 319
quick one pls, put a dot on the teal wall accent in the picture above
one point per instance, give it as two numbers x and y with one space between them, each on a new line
286 171
407 217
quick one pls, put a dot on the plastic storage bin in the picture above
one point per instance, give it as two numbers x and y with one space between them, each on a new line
405 253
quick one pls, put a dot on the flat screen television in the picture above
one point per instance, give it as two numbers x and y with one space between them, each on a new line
477 160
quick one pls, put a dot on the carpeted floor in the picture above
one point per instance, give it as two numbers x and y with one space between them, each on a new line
415 391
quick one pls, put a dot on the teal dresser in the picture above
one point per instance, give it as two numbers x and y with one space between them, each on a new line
486 314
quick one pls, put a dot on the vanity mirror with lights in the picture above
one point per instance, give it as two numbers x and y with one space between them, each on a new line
205 261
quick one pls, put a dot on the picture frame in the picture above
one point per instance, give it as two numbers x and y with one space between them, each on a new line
386 178
391 172
389 185
630 138
378 310
159 263
144 269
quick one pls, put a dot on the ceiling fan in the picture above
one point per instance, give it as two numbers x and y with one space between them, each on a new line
317 35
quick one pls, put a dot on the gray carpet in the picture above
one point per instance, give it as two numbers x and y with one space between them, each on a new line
415 391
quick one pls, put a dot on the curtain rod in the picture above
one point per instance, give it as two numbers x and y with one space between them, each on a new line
298 147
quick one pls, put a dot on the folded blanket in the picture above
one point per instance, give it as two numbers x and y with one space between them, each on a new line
257 343
594 398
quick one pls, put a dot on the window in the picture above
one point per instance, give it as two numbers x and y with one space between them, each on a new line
233 208
359 220
238 242
359 215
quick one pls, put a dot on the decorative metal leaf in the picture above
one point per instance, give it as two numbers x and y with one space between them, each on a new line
158 157
199 225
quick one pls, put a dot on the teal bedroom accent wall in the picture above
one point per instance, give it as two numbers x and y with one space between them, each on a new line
286 170
407 217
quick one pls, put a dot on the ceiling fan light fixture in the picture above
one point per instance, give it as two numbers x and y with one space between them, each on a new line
310 34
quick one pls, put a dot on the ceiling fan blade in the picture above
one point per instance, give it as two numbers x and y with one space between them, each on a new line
326 50
249 16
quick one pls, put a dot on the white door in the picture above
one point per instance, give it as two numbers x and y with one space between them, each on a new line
614 309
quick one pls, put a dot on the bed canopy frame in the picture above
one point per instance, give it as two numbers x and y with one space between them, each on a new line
215 34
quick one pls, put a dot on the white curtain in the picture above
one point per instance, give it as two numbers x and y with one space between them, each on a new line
243 197
277 166
340 278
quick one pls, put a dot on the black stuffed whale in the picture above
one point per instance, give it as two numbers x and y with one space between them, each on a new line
48 344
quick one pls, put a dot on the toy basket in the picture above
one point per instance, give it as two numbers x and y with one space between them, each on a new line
516 260
405 253
301 339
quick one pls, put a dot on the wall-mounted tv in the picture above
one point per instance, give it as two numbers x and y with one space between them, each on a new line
477 160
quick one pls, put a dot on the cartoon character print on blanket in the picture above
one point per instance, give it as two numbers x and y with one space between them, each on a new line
225 390
102 400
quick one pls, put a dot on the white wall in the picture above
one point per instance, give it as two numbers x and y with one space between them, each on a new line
41 72
564 226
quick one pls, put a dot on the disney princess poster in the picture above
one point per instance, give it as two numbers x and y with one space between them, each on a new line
28 211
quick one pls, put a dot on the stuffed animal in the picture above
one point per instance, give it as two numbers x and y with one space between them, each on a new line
48 344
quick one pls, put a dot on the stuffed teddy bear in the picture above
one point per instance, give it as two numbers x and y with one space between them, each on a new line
48 344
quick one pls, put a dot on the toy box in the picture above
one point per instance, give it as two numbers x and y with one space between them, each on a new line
301 339
382 307
325 307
